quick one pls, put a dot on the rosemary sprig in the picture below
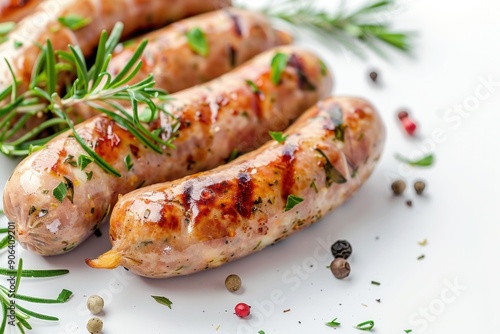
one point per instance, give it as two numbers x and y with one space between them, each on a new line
22 314
94 87
364 25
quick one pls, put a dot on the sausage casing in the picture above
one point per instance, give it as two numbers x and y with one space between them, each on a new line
207 219
233 112
15 10
232 37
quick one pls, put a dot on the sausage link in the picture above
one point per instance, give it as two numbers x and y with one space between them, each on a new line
205 220
15 10
232 36
233 112
43 24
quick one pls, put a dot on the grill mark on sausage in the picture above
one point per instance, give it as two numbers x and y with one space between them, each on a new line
236 20
287 164
244 196
298 63
186 196
169 220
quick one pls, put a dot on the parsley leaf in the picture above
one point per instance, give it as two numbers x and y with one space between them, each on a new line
278 65
74 22
292 201
334 322
164 301
60 192
408 331
128 162
332 174
17 44
84 161
197 41
366 325
278 136
253 87
426 161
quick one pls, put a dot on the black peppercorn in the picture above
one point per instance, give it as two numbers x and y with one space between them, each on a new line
373 76
342 249
340 268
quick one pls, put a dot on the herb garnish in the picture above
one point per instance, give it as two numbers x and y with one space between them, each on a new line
362 26
233 155
334 322
128 162
425 161
84 161
261 332
197 41
17 44
278 136
74 22
92 85
253 87
163 300
60 192
22 314
278 65
375 283
292 201
332 174
366 325
408 331
6 27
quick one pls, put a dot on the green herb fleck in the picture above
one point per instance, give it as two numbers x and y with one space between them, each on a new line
324 69
253 87
334 322
163 300
332 174
84 161
426 161
278 136
408 331
366 325
314 186
69 160
128 162
278 65
60 192
6 27
197 41
261 332
421 257
32 210
17 44
89 175
340 131
74 22
375 283
233 155
292 201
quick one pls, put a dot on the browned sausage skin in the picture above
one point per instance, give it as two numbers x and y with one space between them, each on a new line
234 112
207 219
232 37
15 10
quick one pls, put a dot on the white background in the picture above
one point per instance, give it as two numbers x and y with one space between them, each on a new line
455 289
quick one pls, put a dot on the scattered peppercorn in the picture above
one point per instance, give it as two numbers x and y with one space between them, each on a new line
409 203
374 76
95 304
242 310
402 114
94 325
398 187
340 268
233 283
419 187
341 248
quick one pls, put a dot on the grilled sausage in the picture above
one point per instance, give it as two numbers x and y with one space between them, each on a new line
43 24
15 10
232 37
205 220
233 112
